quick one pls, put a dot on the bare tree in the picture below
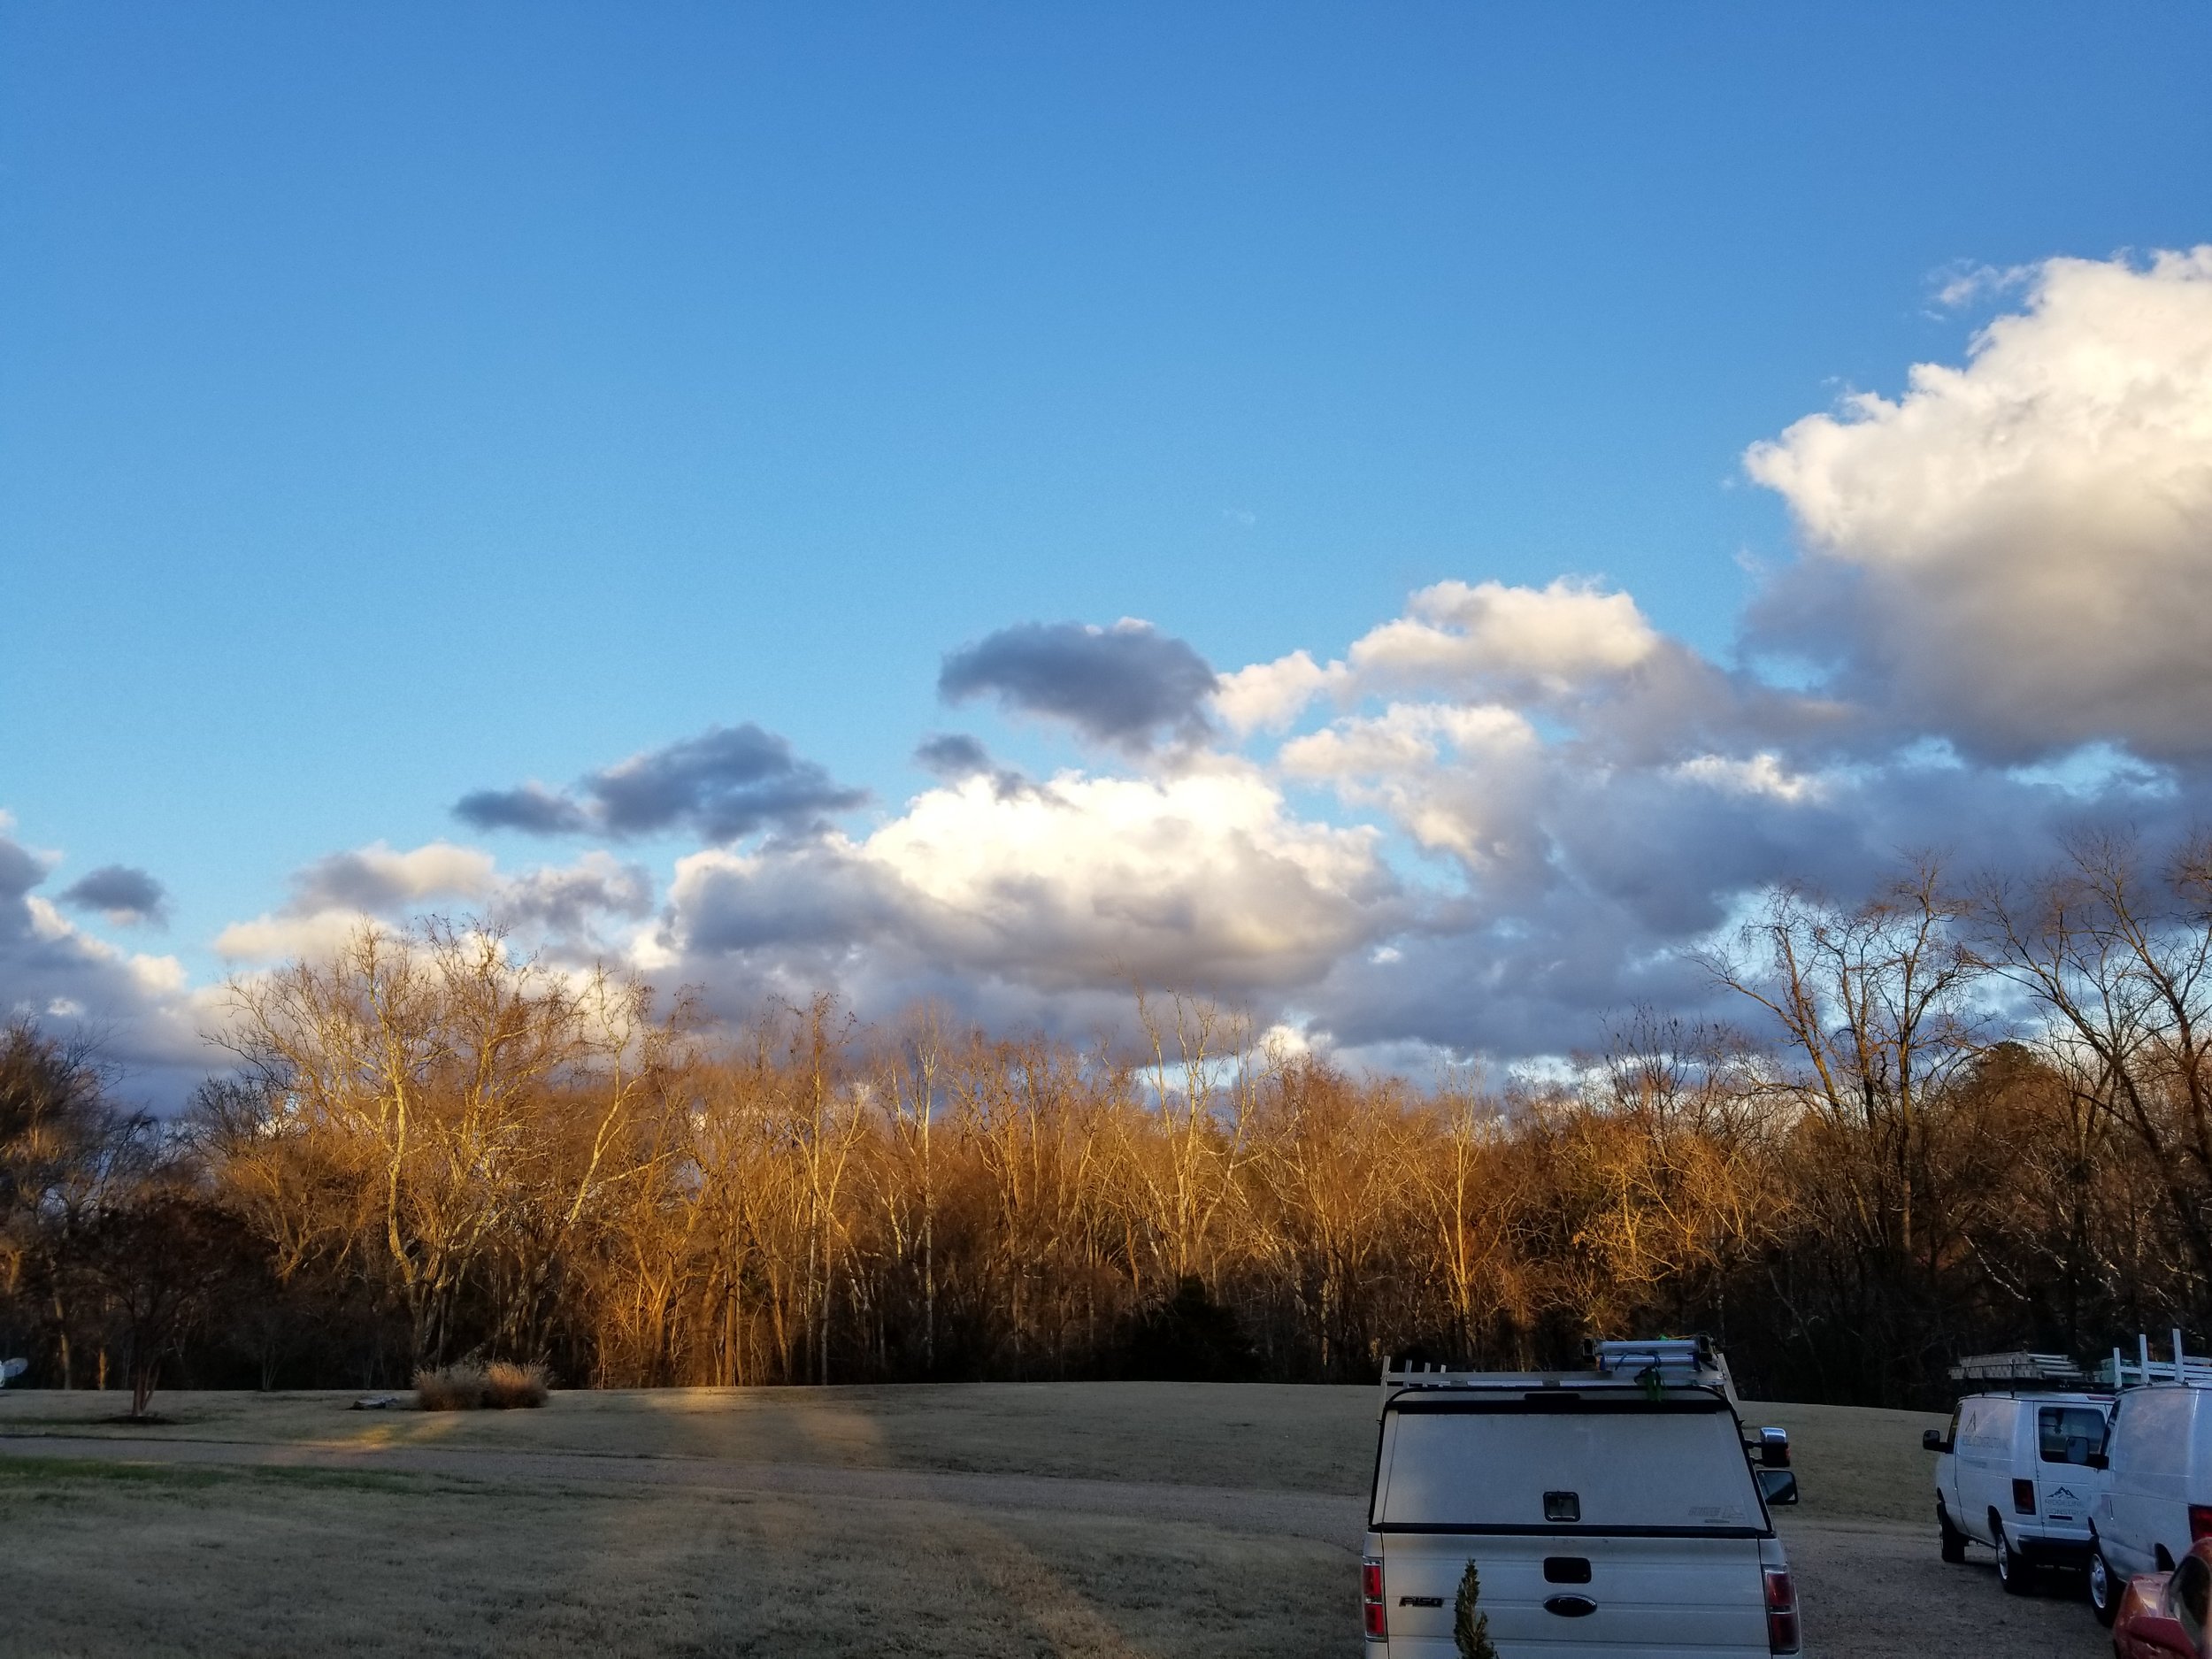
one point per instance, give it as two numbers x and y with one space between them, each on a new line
2116 953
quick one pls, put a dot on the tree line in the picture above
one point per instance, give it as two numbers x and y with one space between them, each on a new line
1954 1118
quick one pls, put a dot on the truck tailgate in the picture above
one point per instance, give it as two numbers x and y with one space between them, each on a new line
1685 1597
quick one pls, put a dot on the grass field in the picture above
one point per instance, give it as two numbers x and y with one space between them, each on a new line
1080 1519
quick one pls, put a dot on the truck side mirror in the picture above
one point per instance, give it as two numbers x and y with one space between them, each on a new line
1932 1440
1777 1485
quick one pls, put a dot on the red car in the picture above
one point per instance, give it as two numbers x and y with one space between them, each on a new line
2164 1614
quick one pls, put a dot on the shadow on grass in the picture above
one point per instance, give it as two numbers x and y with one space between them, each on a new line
19 1473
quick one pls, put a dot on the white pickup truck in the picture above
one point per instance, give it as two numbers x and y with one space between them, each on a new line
1615 1511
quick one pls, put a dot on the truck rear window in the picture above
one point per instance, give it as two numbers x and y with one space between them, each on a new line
1668 1468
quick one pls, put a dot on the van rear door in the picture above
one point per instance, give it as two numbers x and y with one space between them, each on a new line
2067 1437
1596 1526
2149 1507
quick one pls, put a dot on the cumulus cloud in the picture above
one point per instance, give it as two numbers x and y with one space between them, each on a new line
137 1008
1268 697
724 785
1569 640
1484 824
1126 685
1545 642
1205 880
125 896
564 907
2016 554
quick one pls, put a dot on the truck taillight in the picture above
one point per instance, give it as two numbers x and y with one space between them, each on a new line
2199 1521
1781 1611
1370 1599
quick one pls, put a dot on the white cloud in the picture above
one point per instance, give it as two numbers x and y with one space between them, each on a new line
1551 641
1533 799
1761 774
2017 552
1201 880
1409 738
1476 640
1268 697
561 905
276 936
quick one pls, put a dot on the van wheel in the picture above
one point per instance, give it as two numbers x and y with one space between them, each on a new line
2104 1586
2013 1571
1953 1540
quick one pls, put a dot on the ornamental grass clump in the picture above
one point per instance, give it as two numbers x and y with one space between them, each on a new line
509 1387
499 1386
452 1388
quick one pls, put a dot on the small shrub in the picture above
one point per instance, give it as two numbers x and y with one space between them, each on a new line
508 1387
1470 1627
455 1388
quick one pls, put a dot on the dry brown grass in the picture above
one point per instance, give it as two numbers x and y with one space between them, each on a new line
188 1564
499 1386
454 1388
1302 1438
511 1388
481 1557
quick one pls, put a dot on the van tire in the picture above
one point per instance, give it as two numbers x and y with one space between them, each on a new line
2104 1586
2014 1570
1953 1540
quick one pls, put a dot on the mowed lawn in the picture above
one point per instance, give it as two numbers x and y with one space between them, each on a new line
121 1555
1039 1519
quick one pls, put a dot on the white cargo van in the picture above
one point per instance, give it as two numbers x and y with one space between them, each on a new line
2158 1500
1606 1511
2021 1471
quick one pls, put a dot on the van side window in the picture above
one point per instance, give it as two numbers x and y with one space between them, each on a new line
2188 1594
2069 1435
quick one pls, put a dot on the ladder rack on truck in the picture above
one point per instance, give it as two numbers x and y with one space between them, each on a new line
1669 1362
2143 1372
2044 1371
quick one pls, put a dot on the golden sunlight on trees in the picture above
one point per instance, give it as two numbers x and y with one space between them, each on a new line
1951 1121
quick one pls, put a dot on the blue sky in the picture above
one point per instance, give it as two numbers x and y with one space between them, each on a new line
405 401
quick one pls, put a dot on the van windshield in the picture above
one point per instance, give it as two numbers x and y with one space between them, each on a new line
1675 1467
2069 1435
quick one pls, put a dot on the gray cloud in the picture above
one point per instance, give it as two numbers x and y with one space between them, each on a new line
136 1011
953 754
725 783
124 895
20 871
568 902
530 807
956 756
1122 685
